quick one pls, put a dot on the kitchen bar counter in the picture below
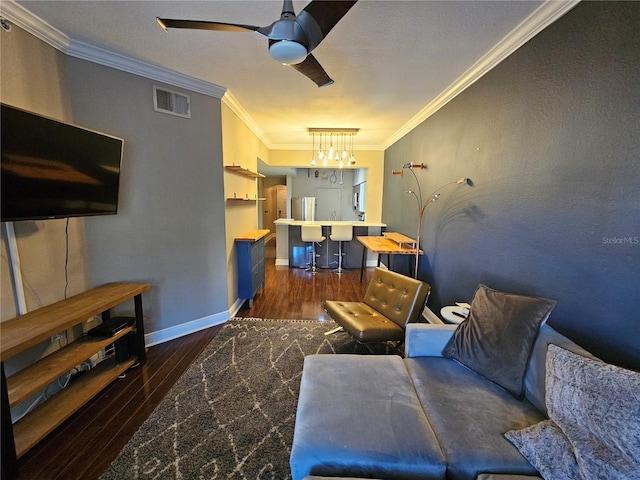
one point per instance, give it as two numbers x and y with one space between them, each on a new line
292 251
328 223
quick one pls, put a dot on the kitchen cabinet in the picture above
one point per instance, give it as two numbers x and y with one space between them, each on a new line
250 259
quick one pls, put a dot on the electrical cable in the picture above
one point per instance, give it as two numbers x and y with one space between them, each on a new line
66 259
66 380
35 403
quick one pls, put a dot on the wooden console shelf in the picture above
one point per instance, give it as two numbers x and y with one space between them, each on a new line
29 329
24 331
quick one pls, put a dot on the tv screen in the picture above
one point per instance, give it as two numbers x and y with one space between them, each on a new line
52 169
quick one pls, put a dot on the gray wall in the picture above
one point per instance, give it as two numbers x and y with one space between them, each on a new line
169 230
550 140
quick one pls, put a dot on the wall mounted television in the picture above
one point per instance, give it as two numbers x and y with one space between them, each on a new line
52 169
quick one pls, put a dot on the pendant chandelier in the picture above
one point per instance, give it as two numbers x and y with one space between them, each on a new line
333 145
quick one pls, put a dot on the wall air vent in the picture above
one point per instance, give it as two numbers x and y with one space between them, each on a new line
174 103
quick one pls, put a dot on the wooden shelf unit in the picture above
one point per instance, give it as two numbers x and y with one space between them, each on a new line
240 199
243 171
24 331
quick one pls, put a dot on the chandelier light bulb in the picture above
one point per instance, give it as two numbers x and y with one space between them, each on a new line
313 148
320 151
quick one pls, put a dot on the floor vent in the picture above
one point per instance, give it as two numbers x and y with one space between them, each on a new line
174 103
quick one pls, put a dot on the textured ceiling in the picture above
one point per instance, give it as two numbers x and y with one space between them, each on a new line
389 59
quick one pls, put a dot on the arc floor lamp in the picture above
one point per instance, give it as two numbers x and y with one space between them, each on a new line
422 204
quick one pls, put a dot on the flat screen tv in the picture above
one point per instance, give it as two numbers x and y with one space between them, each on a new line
51 169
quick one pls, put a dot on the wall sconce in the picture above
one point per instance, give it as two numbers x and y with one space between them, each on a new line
423 205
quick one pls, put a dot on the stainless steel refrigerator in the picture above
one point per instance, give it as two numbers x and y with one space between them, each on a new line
303 208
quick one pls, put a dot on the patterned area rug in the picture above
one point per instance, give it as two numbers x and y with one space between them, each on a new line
231 415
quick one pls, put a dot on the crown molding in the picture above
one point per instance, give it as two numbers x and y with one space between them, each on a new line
230 101
37 27
542 17
40 29
101 56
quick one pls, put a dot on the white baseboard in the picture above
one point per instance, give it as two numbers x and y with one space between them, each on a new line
177 331
235 307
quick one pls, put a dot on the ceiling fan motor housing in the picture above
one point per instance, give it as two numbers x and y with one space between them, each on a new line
287 42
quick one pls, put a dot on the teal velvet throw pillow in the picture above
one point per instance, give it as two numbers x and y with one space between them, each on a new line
497 337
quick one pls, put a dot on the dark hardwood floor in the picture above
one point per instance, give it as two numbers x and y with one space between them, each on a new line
84 446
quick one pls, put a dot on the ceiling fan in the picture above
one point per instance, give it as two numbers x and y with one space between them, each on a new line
292 38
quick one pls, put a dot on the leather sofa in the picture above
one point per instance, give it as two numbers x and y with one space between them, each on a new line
419 417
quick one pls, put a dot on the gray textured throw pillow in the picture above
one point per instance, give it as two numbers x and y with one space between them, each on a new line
547 449
594 427
497 337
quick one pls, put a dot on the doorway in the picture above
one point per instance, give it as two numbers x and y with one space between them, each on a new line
275 206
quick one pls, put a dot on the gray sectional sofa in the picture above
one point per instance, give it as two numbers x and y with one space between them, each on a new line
421 417
500 395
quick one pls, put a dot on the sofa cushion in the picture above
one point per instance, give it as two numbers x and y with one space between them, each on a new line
497 337
469 415
360 416
593 431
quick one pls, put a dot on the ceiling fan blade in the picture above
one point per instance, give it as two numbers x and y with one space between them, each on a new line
206 25
314 71
327 13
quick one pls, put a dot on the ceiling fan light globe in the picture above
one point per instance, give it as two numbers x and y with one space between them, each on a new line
288 52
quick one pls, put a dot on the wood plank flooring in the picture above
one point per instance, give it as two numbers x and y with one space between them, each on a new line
86 444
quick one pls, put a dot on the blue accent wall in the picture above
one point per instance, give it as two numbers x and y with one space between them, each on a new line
551 141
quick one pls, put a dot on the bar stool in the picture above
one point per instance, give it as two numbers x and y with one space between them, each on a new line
341 233
313 234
